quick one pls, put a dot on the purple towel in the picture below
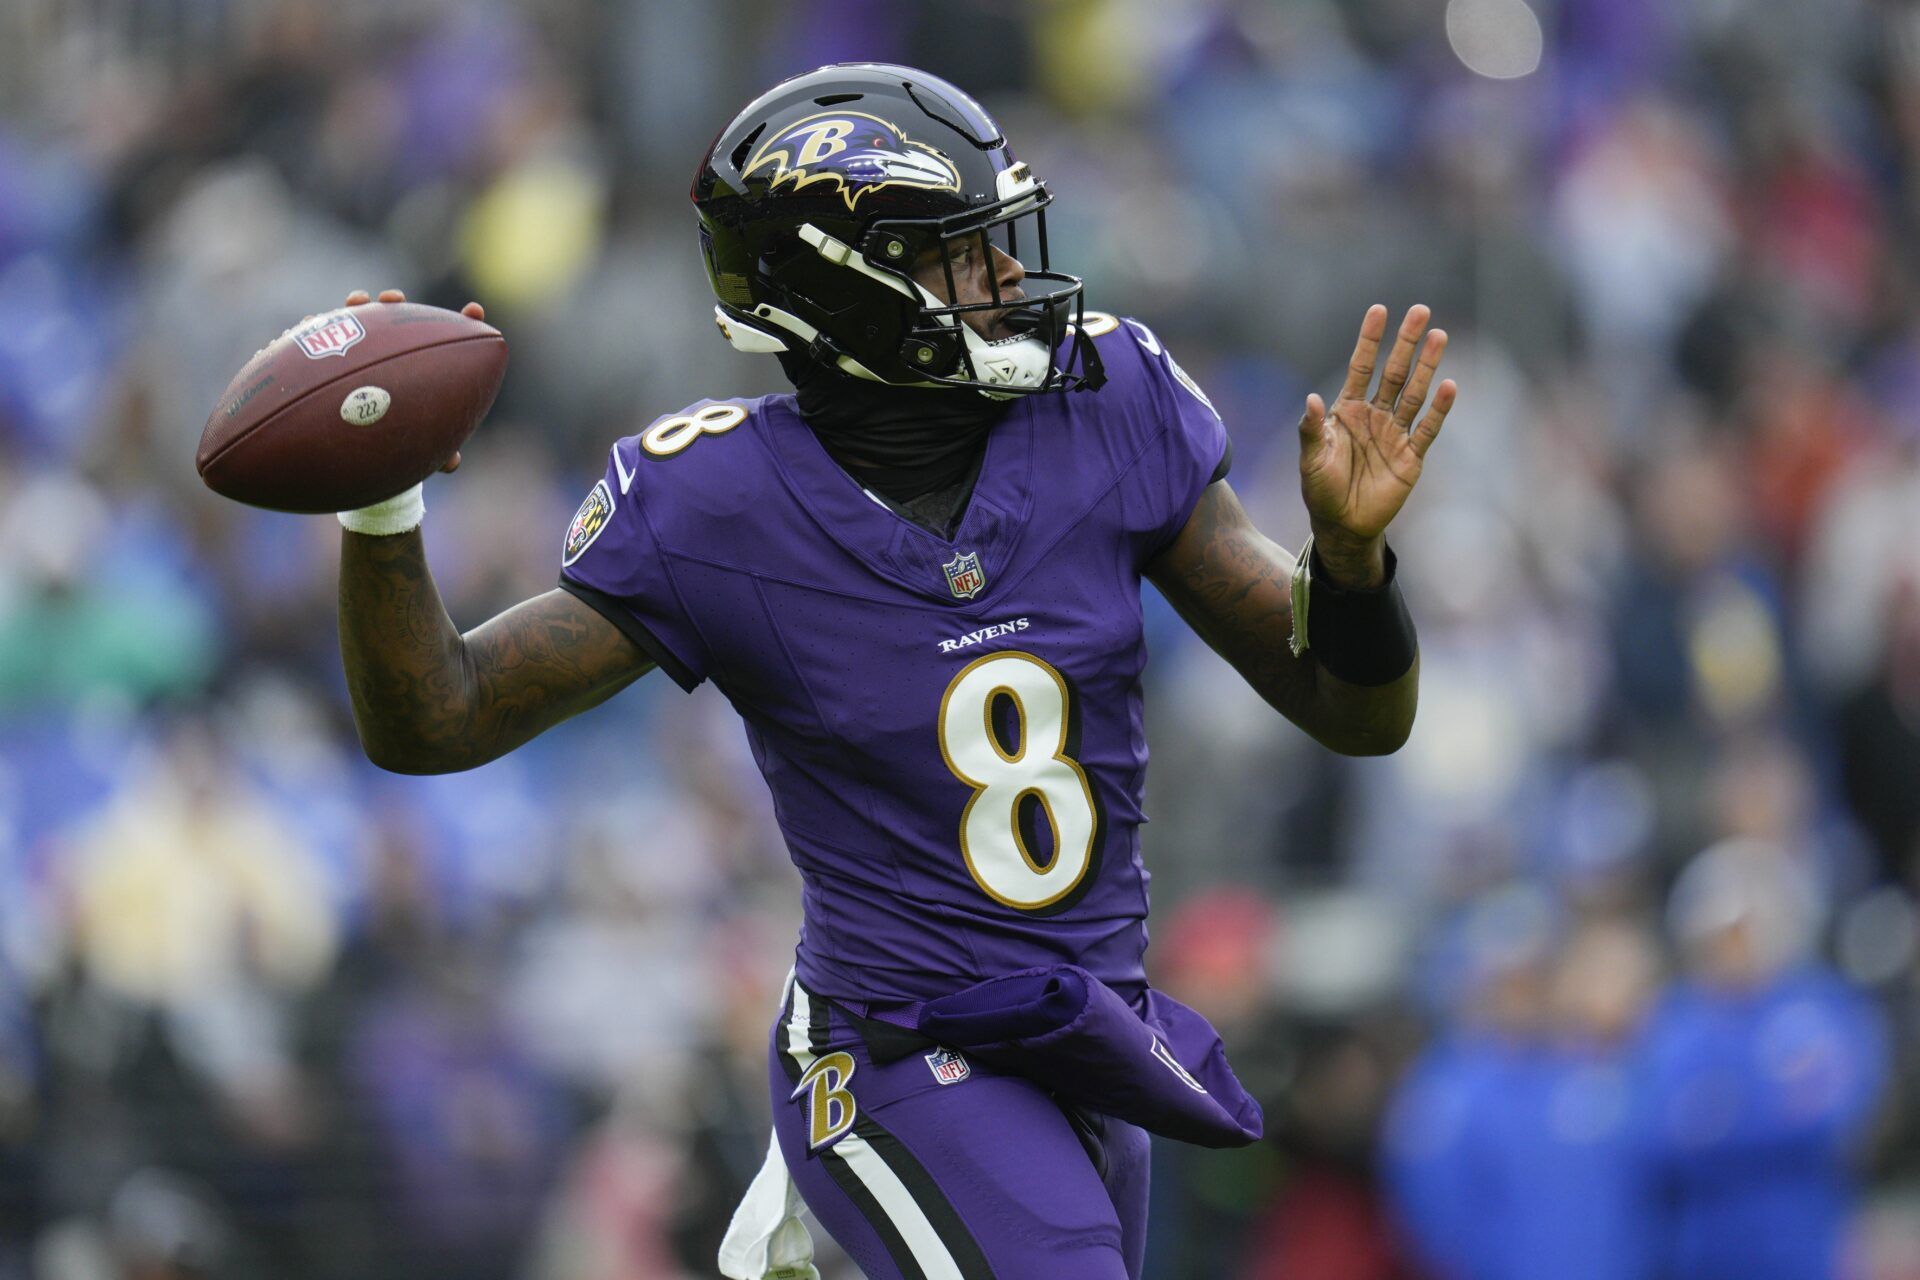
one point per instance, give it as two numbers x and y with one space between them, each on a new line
1162 1068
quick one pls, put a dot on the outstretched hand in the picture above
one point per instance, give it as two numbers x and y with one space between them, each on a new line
473 311
1359 461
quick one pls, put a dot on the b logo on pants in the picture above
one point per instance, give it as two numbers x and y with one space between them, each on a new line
830 1108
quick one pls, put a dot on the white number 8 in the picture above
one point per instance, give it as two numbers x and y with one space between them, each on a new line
990 838
670 435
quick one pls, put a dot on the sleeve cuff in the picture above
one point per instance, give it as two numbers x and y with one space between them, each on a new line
622 617
1226 462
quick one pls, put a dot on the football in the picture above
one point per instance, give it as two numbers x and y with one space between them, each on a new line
351 407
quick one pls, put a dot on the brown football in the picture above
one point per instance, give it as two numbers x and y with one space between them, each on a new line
351 407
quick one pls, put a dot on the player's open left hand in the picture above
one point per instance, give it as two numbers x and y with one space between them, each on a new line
473 311
1359 461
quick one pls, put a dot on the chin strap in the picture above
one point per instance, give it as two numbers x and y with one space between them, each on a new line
1010 362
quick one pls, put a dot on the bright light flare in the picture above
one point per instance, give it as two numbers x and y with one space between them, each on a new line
1499 39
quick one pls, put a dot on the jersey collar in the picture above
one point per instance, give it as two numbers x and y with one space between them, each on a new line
894 546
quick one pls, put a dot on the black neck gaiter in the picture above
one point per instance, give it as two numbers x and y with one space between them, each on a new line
901 442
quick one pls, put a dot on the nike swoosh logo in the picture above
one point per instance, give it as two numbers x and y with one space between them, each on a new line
1171 1063
626 476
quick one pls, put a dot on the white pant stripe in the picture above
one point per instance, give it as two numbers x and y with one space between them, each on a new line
899 1205
799 1025
874 1172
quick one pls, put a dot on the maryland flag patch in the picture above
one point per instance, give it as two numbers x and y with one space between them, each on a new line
588 521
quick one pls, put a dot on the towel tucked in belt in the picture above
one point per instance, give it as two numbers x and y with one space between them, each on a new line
1162 1067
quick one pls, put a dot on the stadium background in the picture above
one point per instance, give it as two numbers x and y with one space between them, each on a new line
265 1011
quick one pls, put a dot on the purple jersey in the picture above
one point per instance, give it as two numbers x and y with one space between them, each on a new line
951 728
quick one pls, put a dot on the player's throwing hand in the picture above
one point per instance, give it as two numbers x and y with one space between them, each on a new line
473 311
1359 462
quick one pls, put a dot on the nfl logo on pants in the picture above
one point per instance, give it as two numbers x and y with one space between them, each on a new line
964 575
948 1067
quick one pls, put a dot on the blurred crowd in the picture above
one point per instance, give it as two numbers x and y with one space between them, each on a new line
1611 974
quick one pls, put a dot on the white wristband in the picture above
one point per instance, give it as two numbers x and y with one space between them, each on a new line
398 514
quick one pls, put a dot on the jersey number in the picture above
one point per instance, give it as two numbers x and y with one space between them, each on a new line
1007 784
670 435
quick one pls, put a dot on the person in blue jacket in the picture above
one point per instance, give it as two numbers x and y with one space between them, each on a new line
1573 1195
1516 1149
1762 1069
1432 1150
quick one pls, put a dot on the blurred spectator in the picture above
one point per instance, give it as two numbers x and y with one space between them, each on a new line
1880 742
470 1129
1567 1185
1327 1220
90 602
187 885
1517 1148
157 1226
1439 1126
1763 1068
612 1216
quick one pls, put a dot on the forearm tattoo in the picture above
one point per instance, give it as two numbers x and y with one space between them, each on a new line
427 699
1231 584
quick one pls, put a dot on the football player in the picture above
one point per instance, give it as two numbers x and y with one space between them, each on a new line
917 578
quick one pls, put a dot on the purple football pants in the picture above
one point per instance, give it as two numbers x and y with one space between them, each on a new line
926 1166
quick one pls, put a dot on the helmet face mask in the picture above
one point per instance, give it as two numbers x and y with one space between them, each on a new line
1035 322
814 223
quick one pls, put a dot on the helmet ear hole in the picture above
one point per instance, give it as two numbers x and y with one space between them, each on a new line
895 246
932 350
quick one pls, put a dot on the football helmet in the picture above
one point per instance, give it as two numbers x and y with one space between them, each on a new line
819 198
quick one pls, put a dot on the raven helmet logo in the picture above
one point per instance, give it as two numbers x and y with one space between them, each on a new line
858 152
964 575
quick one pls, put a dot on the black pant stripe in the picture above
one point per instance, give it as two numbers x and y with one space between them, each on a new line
933 1202
849 1182
787 1061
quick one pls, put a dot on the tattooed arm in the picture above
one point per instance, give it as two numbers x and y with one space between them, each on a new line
1231 583
427 699
1359 461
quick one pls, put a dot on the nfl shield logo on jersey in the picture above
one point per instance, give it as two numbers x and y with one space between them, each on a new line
329 335
964 575
948 1067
